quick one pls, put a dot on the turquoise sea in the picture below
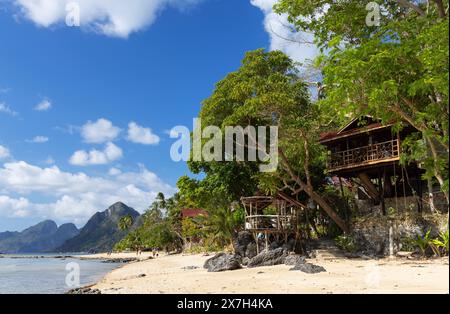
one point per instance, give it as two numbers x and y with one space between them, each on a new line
23 274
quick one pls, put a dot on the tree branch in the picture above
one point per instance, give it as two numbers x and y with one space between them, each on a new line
407 4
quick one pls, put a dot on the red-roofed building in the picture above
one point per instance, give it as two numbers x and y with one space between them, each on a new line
192 212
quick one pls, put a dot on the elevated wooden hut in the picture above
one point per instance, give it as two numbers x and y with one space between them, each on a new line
370 152
272 218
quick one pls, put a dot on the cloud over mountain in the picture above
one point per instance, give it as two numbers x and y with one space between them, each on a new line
73 196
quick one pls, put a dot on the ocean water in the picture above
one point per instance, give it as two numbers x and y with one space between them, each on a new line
27 275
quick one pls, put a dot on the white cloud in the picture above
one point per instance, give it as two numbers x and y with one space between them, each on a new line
39 139
141 135
296 45
95 157
4 152
10 207
116 18
44 105
4 108
100 131
114 171
73 196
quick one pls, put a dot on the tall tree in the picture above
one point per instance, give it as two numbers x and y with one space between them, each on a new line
125 222
267 91
390 60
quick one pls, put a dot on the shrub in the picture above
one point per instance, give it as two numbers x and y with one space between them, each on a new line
423 243
440 244
346 243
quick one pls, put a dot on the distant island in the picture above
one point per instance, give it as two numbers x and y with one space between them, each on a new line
99 234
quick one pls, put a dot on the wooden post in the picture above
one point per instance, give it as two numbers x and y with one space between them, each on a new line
419 191
267 241
381 191
255 235
347 207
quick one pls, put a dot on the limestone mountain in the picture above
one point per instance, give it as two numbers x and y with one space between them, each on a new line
101 232
41 238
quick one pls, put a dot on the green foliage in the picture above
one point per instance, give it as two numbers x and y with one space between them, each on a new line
346 243
131 242
157 230
125 222
423 243
441 244
397 71
268 91
191 229
391 211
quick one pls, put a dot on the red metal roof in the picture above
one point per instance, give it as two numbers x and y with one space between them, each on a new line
193 212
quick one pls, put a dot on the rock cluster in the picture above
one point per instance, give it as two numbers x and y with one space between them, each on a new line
372 233
119 260
245 245
308 268
84 290
222 262
245 248
268 258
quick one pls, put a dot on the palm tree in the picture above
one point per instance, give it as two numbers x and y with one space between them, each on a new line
220 225
125 223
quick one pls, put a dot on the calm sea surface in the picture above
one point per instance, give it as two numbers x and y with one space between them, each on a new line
46 275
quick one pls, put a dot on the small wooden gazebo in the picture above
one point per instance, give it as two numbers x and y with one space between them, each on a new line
276 226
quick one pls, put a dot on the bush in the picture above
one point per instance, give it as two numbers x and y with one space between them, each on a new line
440 245
346 243
423 243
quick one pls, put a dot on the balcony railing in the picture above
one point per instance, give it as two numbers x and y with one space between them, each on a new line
366 155
270 222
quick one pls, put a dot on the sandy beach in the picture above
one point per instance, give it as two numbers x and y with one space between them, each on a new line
184 274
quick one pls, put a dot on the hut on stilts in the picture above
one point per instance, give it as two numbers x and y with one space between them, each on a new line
272 219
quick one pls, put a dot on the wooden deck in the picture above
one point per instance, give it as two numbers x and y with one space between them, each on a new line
364 156
271 223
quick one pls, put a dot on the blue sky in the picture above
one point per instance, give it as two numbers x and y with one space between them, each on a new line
110 92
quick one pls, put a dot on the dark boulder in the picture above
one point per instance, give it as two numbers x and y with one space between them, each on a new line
290 245
242 241
269 258
245 261
274 245
84 290
251 250
293 260
308 268
223 262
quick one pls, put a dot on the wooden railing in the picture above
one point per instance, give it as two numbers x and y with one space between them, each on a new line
365 155
270 222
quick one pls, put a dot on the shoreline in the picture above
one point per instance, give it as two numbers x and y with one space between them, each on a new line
184 274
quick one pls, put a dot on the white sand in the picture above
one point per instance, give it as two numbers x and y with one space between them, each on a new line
166 275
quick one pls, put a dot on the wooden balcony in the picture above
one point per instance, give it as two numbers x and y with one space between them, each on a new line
271 223
364 156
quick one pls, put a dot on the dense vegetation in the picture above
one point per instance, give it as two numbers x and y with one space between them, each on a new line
396 71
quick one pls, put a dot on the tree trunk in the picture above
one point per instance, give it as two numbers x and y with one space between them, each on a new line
313 195
441 8
431 196
437 172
